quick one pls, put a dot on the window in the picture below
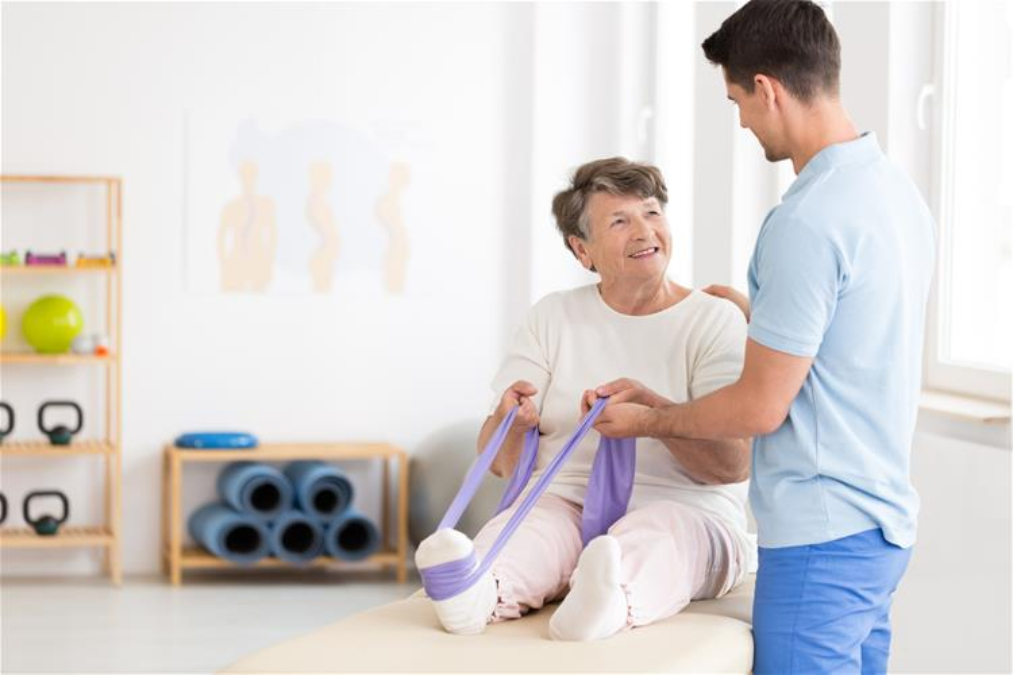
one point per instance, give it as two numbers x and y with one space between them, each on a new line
969 345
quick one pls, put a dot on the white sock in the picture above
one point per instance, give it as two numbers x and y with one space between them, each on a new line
468 612
596 606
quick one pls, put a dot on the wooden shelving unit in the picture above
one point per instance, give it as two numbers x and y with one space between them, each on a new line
42 449
176 557
106 535
55 359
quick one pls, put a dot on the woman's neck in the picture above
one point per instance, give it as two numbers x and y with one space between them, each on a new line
637 298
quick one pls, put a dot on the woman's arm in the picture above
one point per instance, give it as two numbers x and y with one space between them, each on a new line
517 394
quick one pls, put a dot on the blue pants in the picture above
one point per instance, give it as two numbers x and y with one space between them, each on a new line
825 608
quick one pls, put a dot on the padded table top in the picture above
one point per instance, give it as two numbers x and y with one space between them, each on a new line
405 636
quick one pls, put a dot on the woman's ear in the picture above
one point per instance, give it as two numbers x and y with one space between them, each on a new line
577 245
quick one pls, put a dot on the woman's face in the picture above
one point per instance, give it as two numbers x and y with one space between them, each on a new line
629 238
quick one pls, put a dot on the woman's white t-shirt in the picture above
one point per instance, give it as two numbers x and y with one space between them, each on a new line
572 341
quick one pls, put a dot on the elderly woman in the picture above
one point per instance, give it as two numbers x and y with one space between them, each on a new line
684 534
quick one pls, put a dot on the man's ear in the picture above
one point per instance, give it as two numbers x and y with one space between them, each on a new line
768 89
580 250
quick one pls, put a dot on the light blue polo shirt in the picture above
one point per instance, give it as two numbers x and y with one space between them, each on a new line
841 273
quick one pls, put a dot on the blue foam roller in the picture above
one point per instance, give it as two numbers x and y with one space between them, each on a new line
351 536
296 538
217 440
254 488
322 491
231 535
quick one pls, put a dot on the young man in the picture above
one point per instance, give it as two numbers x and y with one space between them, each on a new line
838 284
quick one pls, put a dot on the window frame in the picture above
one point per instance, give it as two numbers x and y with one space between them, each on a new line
939 373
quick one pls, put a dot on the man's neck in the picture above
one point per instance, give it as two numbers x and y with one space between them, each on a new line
818 126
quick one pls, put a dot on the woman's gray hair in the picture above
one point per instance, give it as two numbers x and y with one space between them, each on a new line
615 175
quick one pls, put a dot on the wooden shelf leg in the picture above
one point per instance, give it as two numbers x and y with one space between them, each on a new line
176 525
385 503
163 547
402 517
113 550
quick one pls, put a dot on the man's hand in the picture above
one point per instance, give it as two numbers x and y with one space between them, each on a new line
622 420
519 394
623 390
729 293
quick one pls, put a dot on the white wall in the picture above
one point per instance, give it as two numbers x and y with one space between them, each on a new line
102 89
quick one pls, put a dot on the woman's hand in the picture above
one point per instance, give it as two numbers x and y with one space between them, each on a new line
729 293
519 395
623 390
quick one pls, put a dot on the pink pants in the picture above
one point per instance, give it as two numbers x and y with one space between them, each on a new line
671 554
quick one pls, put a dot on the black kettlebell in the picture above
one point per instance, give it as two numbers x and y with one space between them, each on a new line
3 508
4 433
46 525
60 435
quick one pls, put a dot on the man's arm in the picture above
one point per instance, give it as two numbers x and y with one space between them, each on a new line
717 462
756 404
711 462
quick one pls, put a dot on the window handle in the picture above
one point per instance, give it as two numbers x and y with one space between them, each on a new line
927 92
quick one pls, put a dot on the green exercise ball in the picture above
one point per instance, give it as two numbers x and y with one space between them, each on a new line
51 324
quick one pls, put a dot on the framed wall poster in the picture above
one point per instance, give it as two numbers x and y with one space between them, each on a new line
275 205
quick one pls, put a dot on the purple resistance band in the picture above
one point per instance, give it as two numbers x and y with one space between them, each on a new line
608 494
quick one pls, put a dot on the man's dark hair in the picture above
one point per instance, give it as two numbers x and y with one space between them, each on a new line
789 40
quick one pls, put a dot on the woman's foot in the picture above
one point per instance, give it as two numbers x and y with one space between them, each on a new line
596 606
469 611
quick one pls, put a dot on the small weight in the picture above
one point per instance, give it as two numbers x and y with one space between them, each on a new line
46 525
4 433
60 434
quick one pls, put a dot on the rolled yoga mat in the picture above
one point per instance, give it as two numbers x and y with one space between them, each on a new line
229 534
296 538
351 536
254 488
322 491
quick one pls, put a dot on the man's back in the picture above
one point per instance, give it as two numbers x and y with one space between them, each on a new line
841 273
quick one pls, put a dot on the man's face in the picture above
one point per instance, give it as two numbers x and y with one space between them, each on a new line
757 114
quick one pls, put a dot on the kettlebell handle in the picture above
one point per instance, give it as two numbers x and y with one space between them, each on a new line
60 404
10 419
45 493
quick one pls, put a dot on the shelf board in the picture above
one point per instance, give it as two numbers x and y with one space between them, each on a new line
43 449
197 558
69 359
67 537
283 452
10 178
51 270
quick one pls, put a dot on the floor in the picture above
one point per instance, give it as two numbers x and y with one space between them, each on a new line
85 626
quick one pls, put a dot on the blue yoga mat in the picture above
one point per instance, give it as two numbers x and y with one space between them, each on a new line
296 538
351 536
217 440
322 491
228 534
254 488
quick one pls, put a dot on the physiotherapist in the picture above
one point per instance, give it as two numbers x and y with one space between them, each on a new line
838 285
